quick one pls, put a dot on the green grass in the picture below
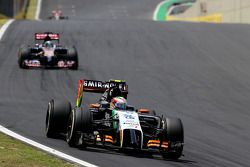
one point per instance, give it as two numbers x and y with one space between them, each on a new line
2 21
31 11
17 154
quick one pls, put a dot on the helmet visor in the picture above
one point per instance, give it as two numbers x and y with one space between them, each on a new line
120 106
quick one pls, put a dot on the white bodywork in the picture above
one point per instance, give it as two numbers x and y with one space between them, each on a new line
48 52
128 120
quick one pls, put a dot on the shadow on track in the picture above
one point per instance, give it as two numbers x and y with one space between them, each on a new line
136 154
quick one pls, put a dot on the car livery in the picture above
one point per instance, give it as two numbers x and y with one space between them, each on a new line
48 53
98 125
57 15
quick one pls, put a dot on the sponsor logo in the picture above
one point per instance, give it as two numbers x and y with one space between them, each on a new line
43 36
32 63
98 84
129 116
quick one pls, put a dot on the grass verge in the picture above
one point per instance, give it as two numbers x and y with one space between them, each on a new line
27 13
31 9
17 154
2 21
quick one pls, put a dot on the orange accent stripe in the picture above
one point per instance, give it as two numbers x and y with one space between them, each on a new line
109 137
154 141
164 146
153 145
95 105
143 110
108 140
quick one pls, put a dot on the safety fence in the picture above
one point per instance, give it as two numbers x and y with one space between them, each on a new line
13 8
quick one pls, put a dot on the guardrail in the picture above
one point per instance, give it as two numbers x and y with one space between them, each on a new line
11 8
213 18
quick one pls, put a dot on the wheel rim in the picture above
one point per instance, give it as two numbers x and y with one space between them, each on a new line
48 117
70 126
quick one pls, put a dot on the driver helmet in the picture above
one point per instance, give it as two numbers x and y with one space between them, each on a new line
118 103
48 44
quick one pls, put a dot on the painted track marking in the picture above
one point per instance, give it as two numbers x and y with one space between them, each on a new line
38 9
45 148
5 27
158 8
26 140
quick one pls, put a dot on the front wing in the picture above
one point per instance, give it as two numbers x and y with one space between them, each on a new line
57 64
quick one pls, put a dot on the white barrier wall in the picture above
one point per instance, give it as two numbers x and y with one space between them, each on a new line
233 11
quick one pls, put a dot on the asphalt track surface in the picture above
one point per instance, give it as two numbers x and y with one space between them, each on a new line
197 72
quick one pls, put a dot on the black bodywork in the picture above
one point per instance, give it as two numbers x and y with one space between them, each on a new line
33 56
96 125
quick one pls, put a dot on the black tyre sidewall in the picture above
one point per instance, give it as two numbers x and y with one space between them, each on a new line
56 118
79 122
23 54
174 132
73 56
74 127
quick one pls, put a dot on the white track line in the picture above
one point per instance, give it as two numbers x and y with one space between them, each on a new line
5 27
45 148
26 140
38 9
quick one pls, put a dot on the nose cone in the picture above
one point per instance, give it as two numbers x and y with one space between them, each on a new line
132 138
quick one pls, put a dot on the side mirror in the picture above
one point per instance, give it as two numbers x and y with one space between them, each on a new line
105 105
130 108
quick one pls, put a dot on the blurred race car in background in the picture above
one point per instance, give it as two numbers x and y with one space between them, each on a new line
112 123
57 15
48 53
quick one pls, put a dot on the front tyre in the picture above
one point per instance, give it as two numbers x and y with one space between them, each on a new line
73 56
23 54
174 133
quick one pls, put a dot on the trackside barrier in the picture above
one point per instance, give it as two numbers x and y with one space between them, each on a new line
162 8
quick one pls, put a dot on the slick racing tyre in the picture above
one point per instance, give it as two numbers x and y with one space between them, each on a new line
174 133
56 118
23 54
79 122
73 56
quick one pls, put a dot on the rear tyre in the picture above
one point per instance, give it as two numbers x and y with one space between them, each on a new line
79 122
175 134
23 54
73 56
56 118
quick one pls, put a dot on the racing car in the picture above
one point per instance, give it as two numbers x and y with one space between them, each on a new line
101 125
48 53
57 15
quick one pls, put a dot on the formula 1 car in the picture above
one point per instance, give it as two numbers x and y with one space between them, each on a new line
100 126
48 53
57 15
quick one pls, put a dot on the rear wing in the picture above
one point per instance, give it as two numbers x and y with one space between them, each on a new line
47 36
96 86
